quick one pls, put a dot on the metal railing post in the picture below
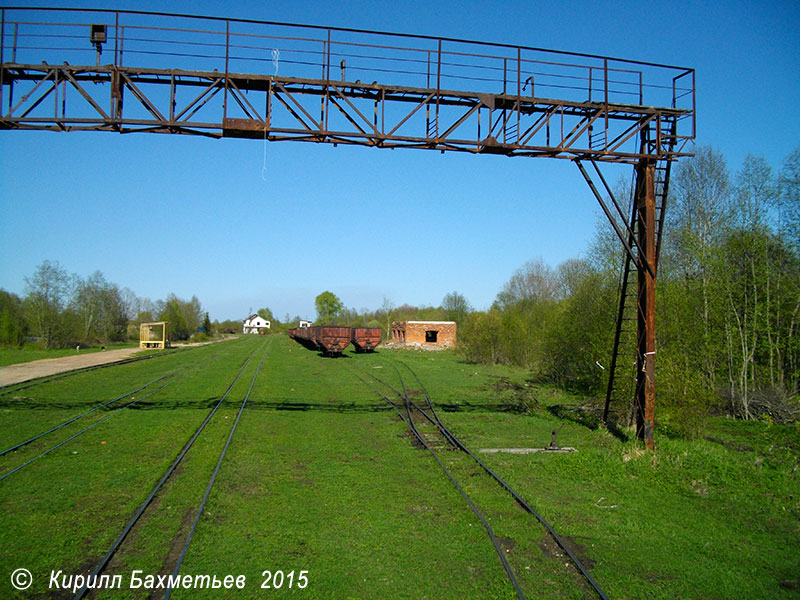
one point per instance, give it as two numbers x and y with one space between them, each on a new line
2 48
438 83
116 37
227 58
519 88
327 87
694 112
605 85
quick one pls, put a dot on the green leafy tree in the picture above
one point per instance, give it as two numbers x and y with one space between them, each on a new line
184 317
579 334
481 337
12 323
328 307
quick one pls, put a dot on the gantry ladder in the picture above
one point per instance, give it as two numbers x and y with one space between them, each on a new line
625 360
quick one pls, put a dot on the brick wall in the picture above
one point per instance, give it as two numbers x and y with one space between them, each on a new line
425 333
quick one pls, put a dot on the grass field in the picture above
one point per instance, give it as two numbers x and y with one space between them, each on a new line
322 478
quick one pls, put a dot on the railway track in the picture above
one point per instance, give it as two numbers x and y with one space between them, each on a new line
213 478
433 435
170 472
171 377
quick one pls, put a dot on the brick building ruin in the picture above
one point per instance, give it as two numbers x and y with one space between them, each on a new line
425 333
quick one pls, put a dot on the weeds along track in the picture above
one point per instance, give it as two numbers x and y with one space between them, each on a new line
170 471
171 377
419 415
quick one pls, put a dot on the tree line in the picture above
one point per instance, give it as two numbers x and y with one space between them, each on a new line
62 309
331 310
728 298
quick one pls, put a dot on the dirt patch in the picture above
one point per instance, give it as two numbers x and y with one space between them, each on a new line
700 487
175 548
408 435
51 366
300 474
507 544
549 546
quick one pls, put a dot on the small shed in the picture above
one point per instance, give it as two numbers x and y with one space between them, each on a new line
425 333
255 324
154 335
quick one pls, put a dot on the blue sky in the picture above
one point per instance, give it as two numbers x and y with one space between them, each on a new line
176 214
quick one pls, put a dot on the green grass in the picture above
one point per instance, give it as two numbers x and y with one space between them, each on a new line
322 477
13 356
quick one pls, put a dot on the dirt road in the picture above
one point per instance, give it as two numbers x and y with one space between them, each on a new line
50 366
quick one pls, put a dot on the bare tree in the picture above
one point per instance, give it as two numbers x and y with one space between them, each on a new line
699 215
789 199
456 307
387 308
533 282
88 300
46 294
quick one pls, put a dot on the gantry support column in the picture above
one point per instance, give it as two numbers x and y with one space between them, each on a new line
646 326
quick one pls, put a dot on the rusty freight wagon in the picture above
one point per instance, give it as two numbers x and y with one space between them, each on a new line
304 336
365 339
330 340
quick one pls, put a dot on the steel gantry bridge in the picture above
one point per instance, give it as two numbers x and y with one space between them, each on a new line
131 71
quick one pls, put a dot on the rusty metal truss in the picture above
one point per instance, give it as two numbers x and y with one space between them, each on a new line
288 82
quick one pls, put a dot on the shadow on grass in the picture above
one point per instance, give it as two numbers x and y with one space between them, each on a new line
585 417
276 404
271 405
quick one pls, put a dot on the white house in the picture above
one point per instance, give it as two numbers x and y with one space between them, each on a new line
255 324
304 323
